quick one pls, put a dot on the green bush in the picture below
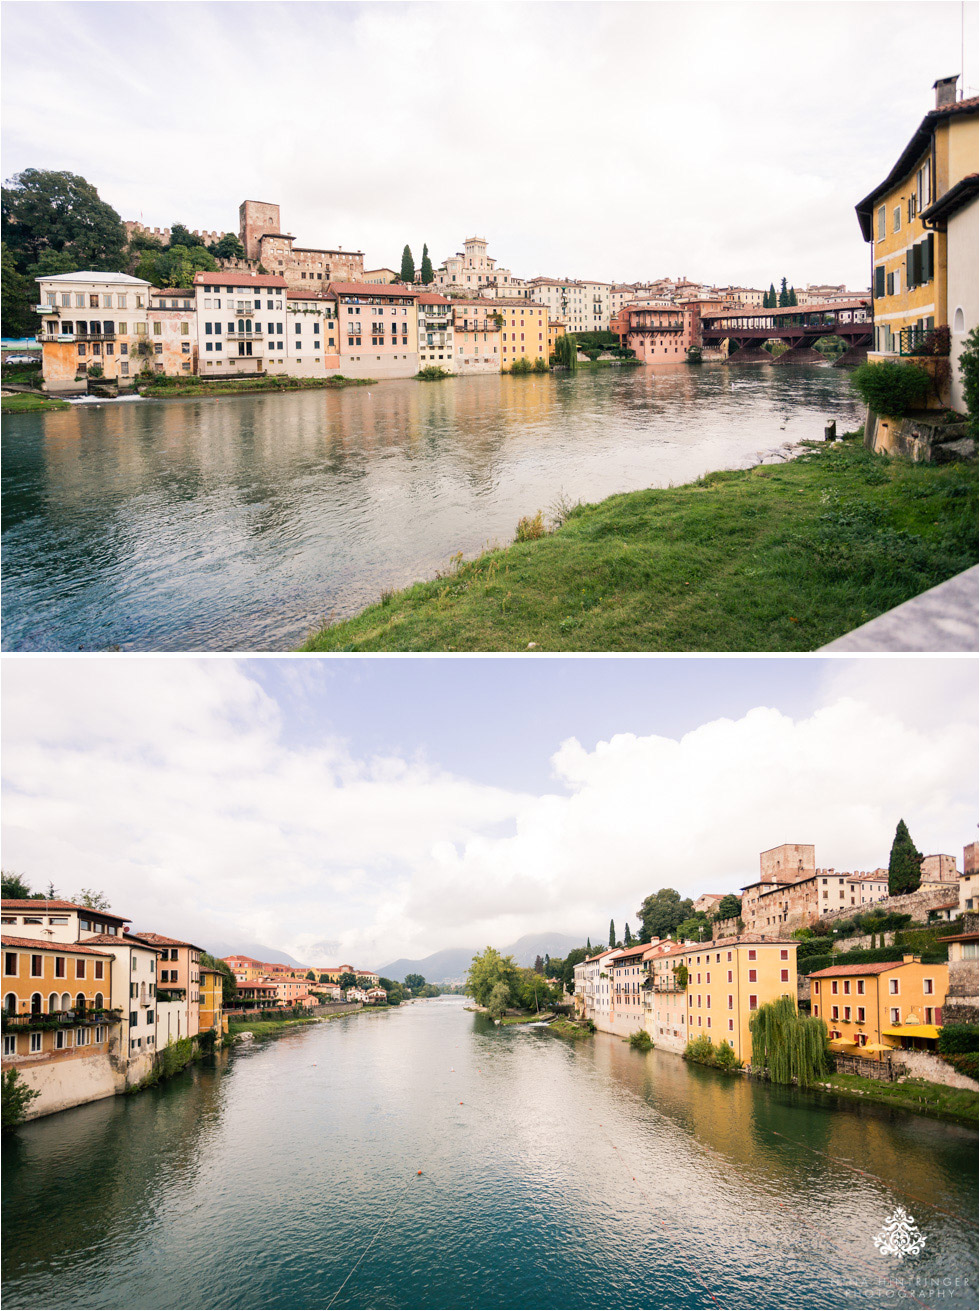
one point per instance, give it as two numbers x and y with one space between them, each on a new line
968 372
521 366
704 1052
964 1063
641 1040
892 389
725 1057
539 366
955 1038
432 374
16 1098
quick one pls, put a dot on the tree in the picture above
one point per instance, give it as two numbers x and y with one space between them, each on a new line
426 272
45 210
395 991
538 965
414 981
969 362
783 294
612 934
15 1099
408 266
15 306
661 912
89 897
787 1045
15 886
729 908
588 948
574 957
627 937
175 266
347 980
773 300
696 928
498 1000
904 863
311 976
181 236
227 247
792 296
487 971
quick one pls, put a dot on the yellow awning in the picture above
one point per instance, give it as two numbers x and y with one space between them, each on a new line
876 1047
842 1042
912 1031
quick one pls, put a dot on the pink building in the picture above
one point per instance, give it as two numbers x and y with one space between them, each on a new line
659 334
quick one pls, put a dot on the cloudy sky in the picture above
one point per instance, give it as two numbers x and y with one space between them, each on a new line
363 809
724 141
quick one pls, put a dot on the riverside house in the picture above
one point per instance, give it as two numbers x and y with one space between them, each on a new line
237 314
378 329
90 319
873 1009
179 982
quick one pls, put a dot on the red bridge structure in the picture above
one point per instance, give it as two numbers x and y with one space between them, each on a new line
800 326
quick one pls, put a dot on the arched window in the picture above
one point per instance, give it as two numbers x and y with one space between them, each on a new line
36 1003
10 1004
99 1002
80 1002
66 1001
53 1004
959 323
241 325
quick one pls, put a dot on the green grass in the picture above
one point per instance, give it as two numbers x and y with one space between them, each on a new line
568 1029
911 1095
266 1028
23 404
531 1017
192 386
781 557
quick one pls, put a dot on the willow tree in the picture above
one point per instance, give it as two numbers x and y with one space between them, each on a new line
566 352
789 1046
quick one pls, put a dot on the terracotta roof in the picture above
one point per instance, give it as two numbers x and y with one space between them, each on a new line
69 948
238 279
160 940
36 904
837 971
370 289
960 937
119 940
954 199
431 298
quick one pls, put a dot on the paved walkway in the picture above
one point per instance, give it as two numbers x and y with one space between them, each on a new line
943 619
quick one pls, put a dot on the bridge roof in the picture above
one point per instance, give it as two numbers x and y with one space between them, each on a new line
813 308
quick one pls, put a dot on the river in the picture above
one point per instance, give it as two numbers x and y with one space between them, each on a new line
238 523
553 1174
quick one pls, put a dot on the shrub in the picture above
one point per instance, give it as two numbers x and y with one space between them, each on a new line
432 374
725 1057
521 366
530 529
641 1040
95 370
16 1098
964 1063
956 1038
694 355
539 366
935 342
701 1050
969 369
893 389
788 1046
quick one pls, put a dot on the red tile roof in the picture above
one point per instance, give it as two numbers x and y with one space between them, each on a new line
65 948
837 971
238 279
160 940
119 940
431 298
43 907
371 289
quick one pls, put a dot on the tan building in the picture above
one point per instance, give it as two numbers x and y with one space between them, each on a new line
436 341
172 332
476 335
89 319
470 271
582 306
791 893
178 979
969 890
523 331
211 1015
873 1009
380 275
304 268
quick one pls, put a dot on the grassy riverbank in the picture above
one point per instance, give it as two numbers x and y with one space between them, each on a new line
24 403
570 1029
911 1095
192 386
266 1028
532 1017
781 557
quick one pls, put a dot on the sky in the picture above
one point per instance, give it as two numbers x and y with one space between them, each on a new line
727 142
359 810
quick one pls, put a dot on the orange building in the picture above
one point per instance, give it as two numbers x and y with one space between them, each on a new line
524 331
877 1008
659 334
57 1001
212 1002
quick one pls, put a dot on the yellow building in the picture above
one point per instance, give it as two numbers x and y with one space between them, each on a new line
908 257
212 1014
556 329
872 1009
524 331
726 984
57 1001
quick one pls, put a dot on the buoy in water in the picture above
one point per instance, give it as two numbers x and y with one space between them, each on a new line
419 1172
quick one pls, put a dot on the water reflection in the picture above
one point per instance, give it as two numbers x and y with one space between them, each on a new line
236 523
553 1175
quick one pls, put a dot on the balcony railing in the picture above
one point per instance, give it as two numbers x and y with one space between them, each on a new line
668 985
245 336
61 1019
171 994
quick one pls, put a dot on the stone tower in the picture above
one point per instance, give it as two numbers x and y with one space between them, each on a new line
256 217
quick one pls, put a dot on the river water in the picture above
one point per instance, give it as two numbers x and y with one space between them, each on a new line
237 523
553 1174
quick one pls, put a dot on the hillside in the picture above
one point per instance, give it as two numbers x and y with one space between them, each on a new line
453 962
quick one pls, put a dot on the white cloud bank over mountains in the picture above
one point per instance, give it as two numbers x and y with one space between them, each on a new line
177 787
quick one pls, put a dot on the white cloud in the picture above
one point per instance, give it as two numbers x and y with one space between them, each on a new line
728 141
175 786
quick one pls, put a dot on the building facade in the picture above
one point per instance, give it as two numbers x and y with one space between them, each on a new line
435 332
90 320
581 305
658 334
877 1008
378 329
523 332
477 327
304 268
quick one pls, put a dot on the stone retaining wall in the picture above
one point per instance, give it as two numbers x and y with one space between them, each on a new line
926 1065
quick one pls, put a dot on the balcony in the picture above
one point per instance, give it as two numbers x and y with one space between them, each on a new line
60 1019
434 325
171 994
667 984
245 336
45 309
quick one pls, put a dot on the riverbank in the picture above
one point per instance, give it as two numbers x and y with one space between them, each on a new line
25 403
917 1095
781 557
163 388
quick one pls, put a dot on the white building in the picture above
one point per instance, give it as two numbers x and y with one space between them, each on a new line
956 211
240 316
435 332
471 270
581 306
89 319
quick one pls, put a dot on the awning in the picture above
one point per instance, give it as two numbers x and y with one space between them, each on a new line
841 1042
876 1047
912 1031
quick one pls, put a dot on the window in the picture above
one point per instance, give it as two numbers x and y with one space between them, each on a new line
896 218
134 1017
895 1015
753 1002
753 976
751 955
860 1015
927 987
36 1041
893 987
37 967
79 969
784 976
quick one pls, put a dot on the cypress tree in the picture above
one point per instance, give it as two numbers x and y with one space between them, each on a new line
904 863
612 934
783 295
792 296
772 297
408 265
588 946
426 268
627 937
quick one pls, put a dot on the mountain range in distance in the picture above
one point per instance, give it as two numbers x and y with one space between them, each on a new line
453 963
268 955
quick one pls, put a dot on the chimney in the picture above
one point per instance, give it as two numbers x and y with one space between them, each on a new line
945 89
